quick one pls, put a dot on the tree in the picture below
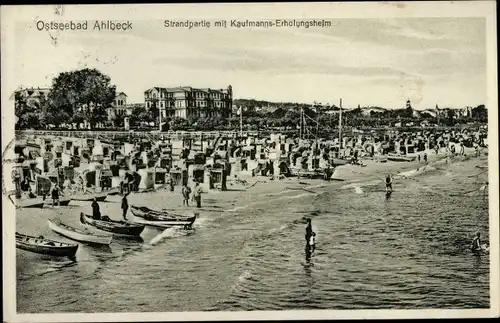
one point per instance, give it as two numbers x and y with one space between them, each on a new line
480 113
178 123
30 115
80 95
139 114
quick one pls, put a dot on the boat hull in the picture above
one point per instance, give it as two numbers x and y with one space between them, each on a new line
400 158
79 235
41 245
115 227
62 202
27 203
90 197
165 224
152 215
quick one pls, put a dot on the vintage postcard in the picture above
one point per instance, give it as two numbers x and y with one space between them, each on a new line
177 162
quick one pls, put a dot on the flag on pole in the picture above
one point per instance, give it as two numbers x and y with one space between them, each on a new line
240 108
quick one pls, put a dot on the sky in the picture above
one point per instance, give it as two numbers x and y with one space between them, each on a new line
370 62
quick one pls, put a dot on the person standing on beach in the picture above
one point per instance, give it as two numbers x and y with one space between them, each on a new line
186 191
96 211
55 195
425 157
418 158
125 206
197 194
125 185
67 184
171 184
25 184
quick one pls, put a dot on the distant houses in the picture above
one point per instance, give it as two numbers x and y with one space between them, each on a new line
191 103
121 108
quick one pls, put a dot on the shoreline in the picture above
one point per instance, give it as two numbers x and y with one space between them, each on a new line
238 196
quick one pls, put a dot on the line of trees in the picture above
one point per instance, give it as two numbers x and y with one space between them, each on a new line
83 97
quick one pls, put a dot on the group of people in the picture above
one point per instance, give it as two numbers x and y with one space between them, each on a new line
424 157
128 184
96 210
186 193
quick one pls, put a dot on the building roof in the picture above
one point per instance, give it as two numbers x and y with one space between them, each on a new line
121 93
184 89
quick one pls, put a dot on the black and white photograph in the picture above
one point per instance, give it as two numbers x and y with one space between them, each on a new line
257 161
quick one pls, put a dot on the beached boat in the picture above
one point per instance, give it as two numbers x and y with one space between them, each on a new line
119 228
338 161
90 197
27 203
312 174
113 191
45 246
152 215
79 235
393 157
165 224
62 202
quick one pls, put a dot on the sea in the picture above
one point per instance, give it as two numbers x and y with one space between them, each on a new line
247 251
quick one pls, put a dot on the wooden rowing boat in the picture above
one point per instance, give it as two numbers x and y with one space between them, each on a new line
393 157
119 228
113 191
152 215
45 246
27 203
78 234
90 197
62 202
165 224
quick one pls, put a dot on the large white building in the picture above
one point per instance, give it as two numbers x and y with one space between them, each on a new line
186 101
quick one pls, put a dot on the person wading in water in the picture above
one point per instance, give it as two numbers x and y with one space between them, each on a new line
388 183
476 242
309 233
